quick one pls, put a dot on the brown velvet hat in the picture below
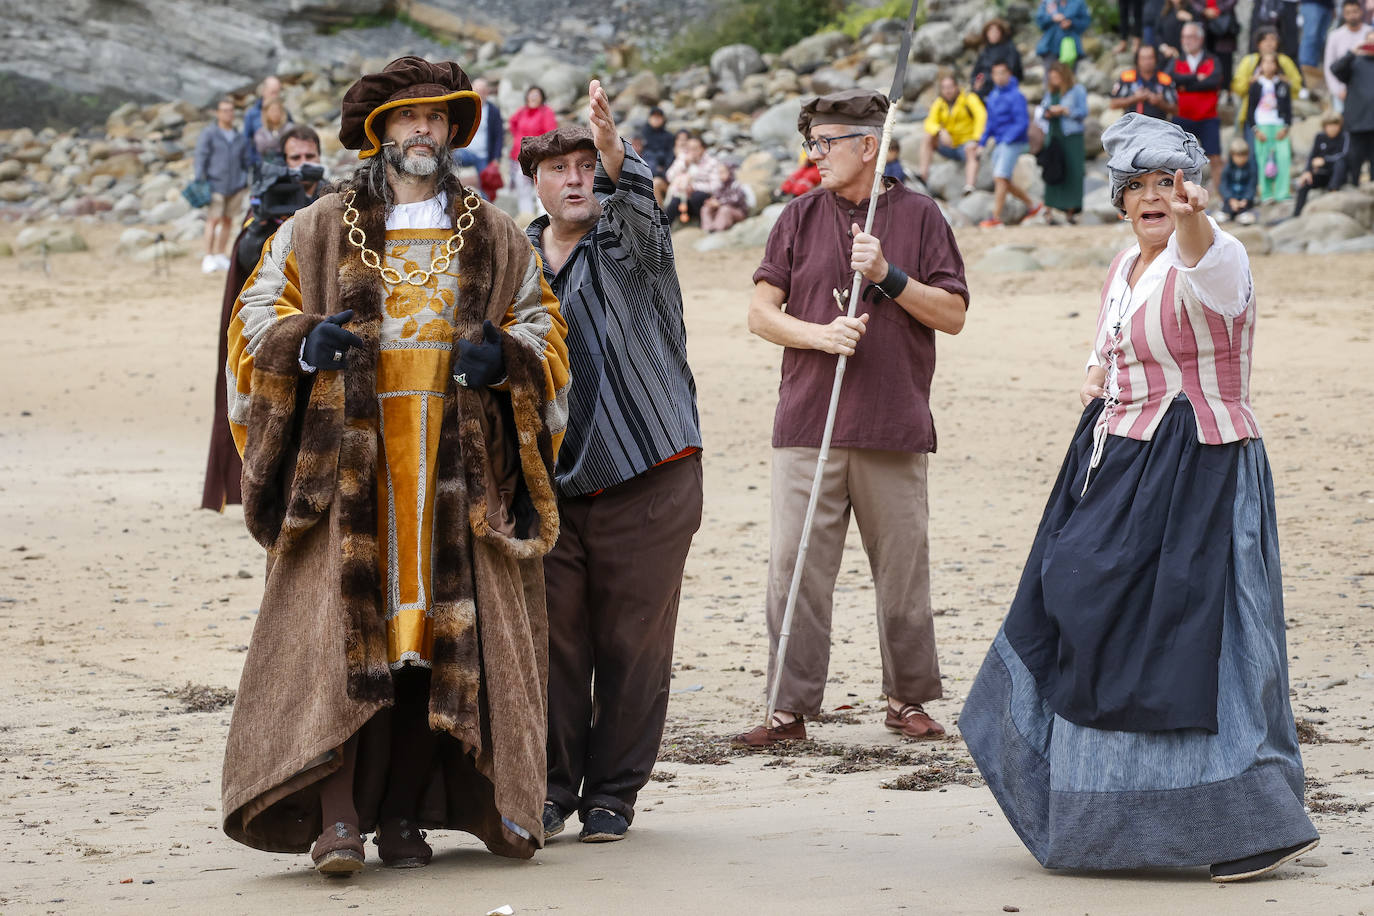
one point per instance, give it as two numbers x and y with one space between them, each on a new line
408 81
858 107
534 150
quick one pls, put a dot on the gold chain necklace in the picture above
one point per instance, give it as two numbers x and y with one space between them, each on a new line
438 263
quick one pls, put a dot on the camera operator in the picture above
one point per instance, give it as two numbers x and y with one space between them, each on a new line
280 191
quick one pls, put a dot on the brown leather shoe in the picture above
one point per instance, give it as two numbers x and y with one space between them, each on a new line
767 735
338 851
911 721
401 844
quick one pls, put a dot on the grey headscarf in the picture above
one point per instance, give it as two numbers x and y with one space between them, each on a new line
1138 144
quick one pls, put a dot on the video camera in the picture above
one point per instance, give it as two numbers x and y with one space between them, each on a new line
280 191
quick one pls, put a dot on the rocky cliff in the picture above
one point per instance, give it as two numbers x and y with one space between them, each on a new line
70 62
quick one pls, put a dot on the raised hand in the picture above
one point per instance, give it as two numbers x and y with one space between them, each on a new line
604 135
1188 199
600 118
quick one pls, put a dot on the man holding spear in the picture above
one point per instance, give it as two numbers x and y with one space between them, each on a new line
908 283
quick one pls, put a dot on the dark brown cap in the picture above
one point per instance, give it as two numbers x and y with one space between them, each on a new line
560 142
408 81
858 107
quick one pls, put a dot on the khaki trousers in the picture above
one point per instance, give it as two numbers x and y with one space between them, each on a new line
886 490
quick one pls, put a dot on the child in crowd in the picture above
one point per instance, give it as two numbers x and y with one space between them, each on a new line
1326 164
1269 116
728 205
1237 185
894 169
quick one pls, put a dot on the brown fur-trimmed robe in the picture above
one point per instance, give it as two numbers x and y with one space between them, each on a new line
316 671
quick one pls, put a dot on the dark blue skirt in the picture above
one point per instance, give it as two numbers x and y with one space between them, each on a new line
1098 798
1118 615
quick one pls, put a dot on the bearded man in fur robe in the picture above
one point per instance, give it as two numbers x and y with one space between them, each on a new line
398 388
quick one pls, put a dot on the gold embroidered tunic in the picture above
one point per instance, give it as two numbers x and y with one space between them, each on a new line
414 364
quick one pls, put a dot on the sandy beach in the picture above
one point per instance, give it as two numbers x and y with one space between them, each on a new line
117 594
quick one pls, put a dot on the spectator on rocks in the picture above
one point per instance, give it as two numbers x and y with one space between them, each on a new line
692 178
1267 42
806 177
267 138
1007 126
1130 22
487 143
954 128
1269 117
1349 36
1063 110
1316 22
1356 71
1219 21
1173 16
223 159
1197 75
533 120
997 45
1062 24
893 169
1238 185
726 206
268 89
658 150
1327 163
1150 25
1282 16
1145 89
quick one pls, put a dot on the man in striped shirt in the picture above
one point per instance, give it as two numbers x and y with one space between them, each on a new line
628 474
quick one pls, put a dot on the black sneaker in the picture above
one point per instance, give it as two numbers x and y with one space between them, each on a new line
1262 864
603 826
553 821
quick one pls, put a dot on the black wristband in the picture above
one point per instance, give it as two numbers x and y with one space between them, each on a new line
894 282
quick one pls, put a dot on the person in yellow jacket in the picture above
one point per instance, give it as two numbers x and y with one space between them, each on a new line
1266 42
953 127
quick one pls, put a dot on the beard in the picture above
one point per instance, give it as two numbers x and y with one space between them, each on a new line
418 166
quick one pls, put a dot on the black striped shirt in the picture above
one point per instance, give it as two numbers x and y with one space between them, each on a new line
633 401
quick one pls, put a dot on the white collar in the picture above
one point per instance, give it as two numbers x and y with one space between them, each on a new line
430 213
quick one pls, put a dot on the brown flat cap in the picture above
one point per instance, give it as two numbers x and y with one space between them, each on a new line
408 81
559 142
859 107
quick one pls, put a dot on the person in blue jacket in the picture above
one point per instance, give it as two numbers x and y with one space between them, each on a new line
1062 24
1007 126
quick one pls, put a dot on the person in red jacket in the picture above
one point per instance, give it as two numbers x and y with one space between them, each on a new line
533 120
1198 78
806 177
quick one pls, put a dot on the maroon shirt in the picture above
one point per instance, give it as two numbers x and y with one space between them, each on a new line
885 401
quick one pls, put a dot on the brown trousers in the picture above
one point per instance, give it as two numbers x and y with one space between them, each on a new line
886 490
613 582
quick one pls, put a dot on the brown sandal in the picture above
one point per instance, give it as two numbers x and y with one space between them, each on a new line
402 845
911 721
338 851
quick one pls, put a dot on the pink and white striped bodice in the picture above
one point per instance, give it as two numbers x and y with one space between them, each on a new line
1173 343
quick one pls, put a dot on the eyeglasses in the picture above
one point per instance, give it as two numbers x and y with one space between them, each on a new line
821 145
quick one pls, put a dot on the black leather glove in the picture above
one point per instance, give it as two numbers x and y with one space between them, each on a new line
481 364
327 344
